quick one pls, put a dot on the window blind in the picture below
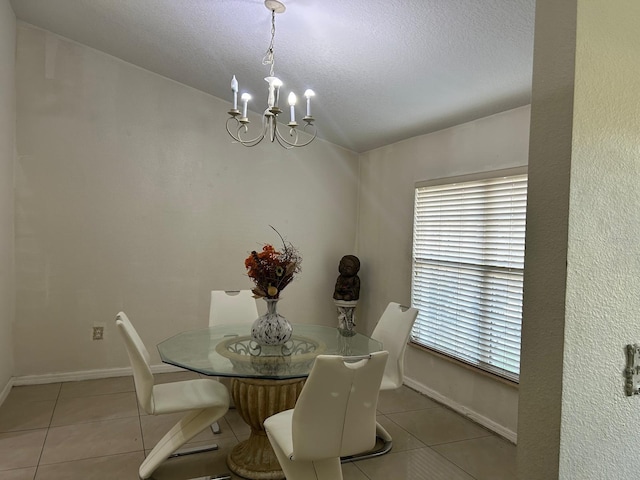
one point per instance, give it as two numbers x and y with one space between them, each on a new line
468 261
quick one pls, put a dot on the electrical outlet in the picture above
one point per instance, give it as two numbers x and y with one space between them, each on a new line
98 333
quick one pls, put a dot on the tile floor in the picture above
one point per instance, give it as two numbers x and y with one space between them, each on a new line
93 430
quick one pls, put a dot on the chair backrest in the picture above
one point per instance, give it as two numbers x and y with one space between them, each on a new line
393 330
139 359
232 306
335 415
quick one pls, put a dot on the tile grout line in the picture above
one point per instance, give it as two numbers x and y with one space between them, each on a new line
406 431
142 442
452 462
46 435
361 471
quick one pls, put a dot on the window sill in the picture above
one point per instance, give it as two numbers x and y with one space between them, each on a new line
466 366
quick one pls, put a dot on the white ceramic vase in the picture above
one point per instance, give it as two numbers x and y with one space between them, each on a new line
271 328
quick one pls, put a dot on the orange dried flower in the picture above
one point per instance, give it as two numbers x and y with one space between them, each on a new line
272 270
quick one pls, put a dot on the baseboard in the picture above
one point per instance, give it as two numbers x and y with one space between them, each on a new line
461 409
5 391
87 375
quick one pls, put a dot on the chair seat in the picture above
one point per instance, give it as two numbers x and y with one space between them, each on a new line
189 395
279 426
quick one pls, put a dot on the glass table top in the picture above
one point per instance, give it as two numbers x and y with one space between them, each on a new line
228 351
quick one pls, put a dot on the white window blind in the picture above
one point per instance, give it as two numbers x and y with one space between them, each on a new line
468 260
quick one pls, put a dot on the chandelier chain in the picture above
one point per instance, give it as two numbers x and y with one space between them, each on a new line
269 57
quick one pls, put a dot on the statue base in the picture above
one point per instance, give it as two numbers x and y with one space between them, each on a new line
346 316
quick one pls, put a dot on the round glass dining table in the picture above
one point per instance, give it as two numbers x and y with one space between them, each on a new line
266 379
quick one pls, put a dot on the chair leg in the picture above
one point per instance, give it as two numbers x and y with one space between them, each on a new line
191 450
215 428
387 444
216 477
382 433
188 427
224 476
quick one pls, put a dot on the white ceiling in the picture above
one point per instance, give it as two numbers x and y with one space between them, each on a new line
382 71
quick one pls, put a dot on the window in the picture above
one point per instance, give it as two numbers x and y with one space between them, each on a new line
468 261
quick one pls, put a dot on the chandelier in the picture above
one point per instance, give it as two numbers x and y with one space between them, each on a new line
238 123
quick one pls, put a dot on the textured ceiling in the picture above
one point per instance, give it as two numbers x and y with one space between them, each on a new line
382 71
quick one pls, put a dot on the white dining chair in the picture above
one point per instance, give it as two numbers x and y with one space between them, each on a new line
392 330
335 416
204 401
235 307
232 306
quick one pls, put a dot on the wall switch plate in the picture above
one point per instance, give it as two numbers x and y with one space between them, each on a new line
98 332
632 370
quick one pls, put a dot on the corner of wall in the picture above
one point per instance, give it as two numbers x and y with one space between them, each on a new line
8 159
4 393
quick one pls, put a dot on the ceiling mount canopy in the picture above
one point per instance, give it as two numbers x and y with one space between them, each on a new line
238 123
275 6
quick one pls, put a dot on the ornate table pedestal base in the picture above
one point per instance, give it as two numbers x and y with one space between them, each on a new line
256 400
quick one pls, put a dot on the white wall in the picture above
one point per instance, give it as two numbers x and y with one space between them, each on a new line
603 275
7 157
594 425
388 177
546 241
130 195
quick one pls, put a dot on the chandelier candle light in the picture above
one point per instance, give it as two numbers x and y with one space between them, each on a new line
239 130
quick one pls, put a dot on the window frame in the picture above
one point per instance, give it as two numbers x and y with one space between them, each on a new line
417 264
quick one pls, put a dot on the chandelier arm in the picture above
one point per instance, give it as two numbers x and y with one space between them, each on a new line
294 133
238 135
314 133
282 141
284 144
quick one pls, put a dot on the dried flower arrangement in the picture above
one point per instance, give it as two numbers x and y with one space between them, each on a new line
272 270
